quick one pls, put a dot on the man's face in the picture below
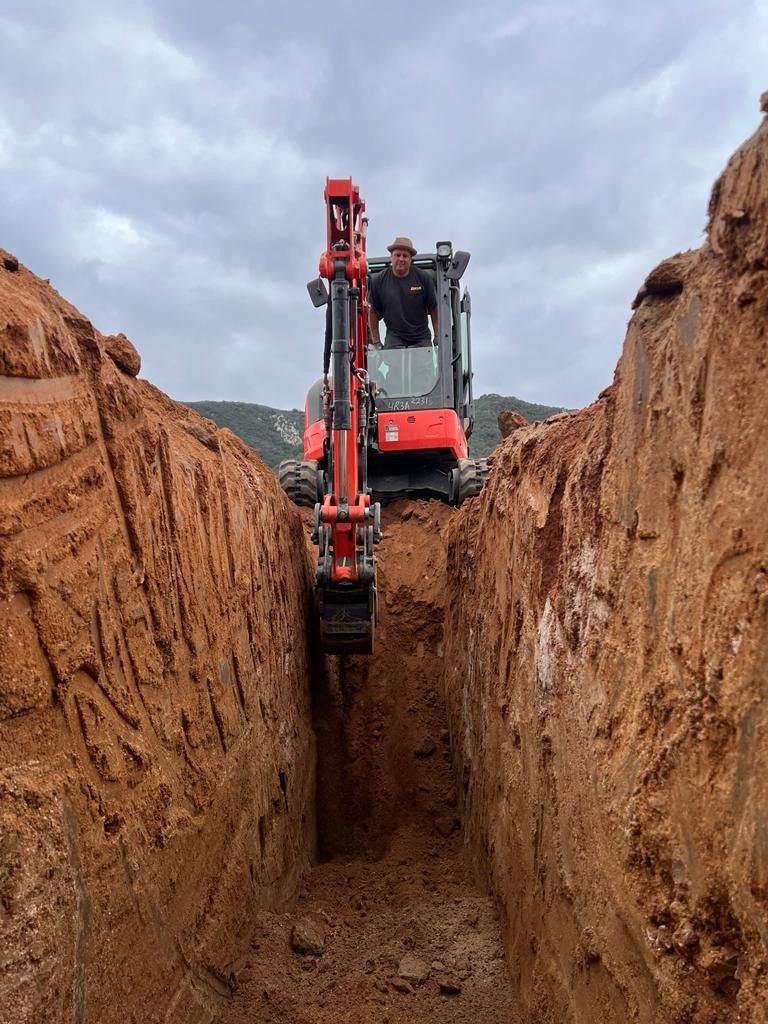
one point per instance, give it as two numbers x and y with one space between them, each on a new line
401 262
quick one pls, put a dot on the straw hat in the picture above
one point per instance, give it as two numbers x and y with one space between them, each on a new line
401 242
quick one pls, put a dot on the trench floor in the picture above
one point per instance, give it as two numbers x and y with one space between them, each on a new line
414 911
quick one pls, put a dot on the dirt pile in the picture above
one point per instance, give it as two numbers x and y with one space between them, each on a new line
156 774
606 657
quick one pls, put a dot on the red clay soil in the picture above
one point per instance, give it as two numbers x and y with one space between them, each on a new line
567 698
156 755
606 667
393 894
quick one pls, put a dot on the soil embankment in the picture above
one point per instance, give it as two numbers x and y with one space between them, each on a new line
606 657
156 783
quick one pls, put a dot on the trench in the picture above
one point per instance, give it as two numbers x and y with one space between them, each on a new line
607 622
407 931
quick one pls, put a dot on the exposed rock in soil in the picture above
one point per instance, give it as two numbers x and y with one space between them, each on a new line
401 985
510 421
413 969
449 985
606 657
156 762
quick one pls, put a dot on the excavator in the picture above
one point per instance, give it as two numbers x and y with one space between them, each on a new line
379 424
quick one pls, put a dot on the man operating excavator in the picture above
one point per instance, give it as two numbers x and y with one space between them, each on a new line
402 295
384 424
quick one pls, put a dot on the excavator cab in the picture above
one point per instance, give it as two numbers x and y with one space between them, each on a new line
422 407
423 398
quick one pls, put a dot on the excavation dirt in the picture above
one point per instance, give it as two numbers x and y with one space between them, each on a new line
390 926
204 821
403 938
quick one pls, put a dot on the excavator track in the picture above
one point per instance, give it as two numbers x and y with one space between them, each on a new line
299 480
467 480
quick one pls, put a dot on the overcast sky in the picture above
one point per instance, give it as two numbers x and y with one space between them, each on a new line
163 163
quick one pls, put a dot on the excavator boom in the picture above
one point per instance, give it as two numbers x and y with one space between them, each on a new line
346 525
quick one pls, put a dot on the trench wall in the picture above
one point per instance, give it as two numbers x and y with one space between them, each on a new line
606 656
156 760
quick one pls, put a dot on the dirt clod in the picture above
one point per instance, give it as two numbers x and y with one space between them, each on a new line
445 824
510 421
204 432
449 985
123 353
308 937
401 985
413 969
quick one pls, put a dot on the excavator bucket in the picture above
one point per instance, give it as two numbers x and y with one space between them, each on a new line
347 619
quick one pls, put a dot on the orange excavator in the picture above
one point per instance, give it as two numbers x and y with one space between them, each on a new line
379 424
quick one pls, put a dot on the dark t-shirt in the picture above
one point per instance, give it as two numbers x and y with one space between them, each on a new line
404 302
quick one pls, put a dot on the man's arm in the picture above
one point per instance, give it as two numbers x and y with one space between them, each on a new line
373 324
433 316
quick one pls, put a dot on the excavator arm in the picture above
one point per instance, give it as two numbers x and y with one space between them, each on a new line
346 522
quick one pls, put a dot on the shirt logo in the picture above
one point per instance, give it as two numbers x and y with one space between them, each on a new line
415 287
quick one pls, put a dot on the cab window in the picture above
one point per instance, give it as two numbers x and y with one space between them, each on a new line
403 372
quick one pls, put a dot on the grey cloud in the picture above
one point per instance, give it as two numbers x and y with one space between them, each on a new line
164 165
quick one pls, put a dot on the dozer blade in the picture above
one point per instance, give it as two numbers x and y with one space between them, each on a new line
347 618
